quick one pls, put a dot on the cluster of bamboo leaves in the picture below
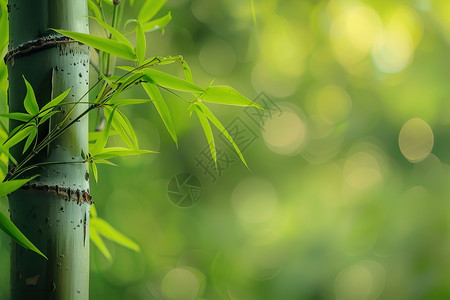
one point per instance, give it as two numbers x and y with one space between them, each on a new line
142 72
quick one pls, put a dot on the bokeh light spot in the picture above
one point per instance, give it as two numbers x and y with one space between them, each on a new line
217 57
362 171
284 133
332 103
353 283
254 200
416 140
180 284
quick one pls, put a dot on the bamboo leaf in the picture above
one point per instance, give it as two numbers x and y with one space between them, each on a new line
112 152
109 46
120 120
29 140
10 229
94 8
140 43
17 116
170 81
55 101
161 107
18 136
149 10
10 186
226 95
222 129
114 32
95 135
105 162
101 141
119 102
187 71
107 231
94 170
157 24
30 102
93 211
97 240
208 132
117 124
48 116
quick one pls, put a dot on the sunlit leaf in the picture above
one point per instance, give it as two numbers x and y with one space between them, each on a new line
48 116
30 102
149 9
109 46
208 132
10 186
95 135
19 136
101 141
118 123
10 229
107 231
140 43
120 102
157 24
97 240
94 170
161 107
93 211
222 129
112 152
105 162
17 116
115 33
187 71
170 81
226 95
94 8
29 140
55 101
121 121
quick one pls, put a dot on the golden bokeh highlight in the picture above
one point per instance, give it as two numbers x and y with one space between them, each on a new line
284 133
416 140
353 283
180 284
331 103
362 171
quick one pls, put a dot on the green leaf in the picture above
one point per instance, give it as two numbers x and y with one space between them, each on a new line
149 10
17 116
187 71
97 240
30 102
94 8
157 24
170 81
48 116
95 135
140 43
161 107
93 211
107 231
29 140
101 141
114 32
118 122
208 132
94 170
109 46
222 129
105 162
10 186
119 102
226 95
18 136
55 101
112 152
10 229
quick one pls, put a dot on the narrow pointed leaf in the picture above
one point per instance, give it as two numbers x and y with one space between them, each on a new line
109 46
55 101
170 81
17 116
93 211
208 132
222 129
94 8
115 33
10 186
118 127
101 141
18 136
97 240
157 24
141 46
30 102
161 107
226 95
149 9
105 162
29 140
119 102
10 229
48 116
94 170
113 152
107 231
187 71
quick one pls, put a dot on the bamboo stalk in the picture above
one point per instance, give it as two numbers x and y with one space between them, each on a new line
53 211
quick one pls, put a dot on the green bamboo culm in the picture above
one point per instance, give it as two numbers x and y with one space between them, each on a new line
53 210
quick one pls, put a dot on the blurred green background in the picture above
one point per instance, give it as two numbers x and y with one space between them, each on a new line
347 196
